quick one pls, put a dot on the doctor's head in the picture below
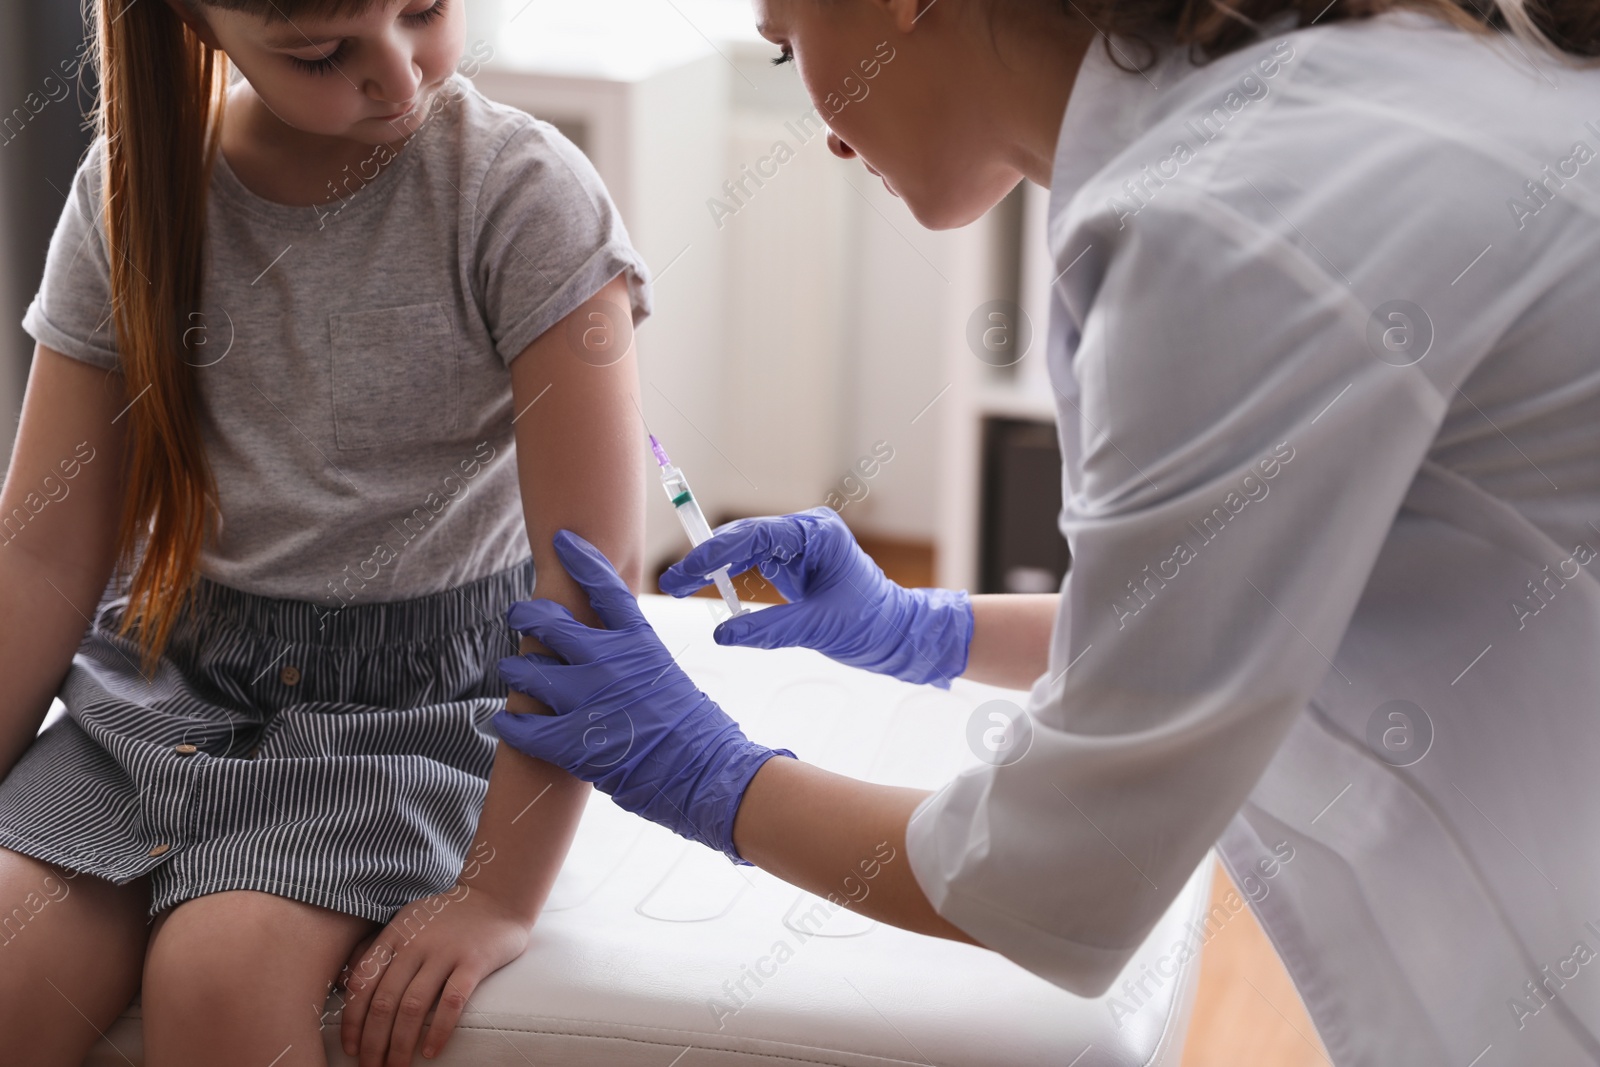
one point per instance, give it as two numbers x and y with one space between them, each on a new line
952 102
932 95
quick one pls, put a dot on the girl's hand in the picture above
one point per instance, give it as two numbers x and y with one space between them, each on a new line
436 949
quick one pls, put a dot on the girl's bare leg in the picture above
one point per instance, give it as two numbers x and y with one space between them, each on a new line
241 977
71 950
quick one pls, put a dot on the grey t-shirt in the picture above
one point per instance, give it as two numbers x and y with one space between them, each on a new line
353 358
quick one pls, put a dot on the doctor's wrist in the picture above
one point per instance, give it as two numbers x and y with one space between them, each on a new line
751 759
697 798
937 638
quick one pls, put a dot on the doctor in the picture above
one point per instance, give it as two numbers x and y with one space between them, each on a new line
1325 346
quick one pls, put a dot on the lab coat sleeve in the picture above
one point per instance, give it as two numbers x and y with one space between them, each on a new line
1240 454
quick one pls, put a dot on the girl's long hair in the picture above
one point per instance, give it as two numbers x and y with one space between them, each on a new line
1566 29
160 108
161 94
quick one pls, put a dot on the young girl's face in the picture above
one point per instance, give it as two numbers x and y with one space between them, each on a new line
908 118
369 77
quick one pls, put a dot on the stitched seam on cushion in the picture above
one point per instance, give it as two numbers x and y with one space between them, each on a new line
699 1036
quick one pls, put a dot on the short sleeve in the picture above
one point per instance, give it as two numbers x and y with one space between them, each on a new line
547 237
71 312
1241 454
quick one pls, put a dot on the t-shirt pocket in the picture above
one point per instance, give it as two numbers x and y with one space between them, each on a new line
396 375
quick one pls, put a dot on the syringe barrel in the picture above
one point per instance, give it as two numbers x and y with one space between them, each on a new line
695 525
694 521
684 503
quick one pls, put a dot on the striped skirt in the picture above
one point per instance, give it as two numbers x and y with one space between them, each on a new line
336 758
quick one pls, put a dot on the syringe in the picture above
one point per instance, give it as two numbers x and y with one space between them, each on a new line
693 519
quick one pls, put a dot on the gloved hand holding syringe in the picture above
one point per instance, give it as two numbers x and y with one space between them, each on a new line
694 520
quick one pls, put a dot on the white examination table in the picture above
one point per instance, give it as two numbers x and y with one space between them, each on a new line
628 964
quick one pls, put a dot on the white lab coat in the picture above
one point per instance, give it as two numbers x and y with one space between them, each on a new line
1287 529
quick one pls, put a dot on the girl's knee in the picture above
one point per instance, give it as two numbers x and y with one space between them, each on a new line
71 947
28 887
246 948
60 916
186 973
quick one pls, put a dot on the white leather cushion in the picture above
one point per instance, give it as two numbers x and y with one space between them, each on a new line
658 953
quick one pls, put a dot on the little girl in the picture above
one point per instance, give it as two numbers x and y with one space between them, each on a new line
303 343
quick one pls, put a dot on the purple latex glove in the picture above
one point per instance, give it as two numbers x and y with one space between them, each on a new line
840 602
626 716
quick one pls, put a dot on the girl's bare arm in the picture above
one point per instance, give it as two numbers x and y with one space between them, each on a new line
575 395
59 509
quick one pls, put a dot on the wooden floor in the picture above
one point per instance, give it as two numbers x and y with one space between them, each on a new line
1246 1012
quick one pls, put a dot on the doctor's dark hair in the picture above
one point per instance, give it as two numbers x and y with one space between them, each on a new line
160 106
1568 29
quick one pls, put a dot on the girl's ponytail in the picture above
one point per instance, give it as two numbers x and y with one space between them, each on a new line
161 97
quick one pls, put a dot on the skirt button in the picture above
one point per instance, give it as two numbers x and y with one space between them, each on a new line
290 675
159 849
185 750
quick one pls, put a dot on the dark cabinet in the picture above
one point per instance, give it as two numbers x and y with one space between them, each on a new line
1020 547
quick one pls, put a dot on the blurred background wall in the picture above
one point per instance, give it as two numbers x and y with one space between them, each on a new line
41 140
